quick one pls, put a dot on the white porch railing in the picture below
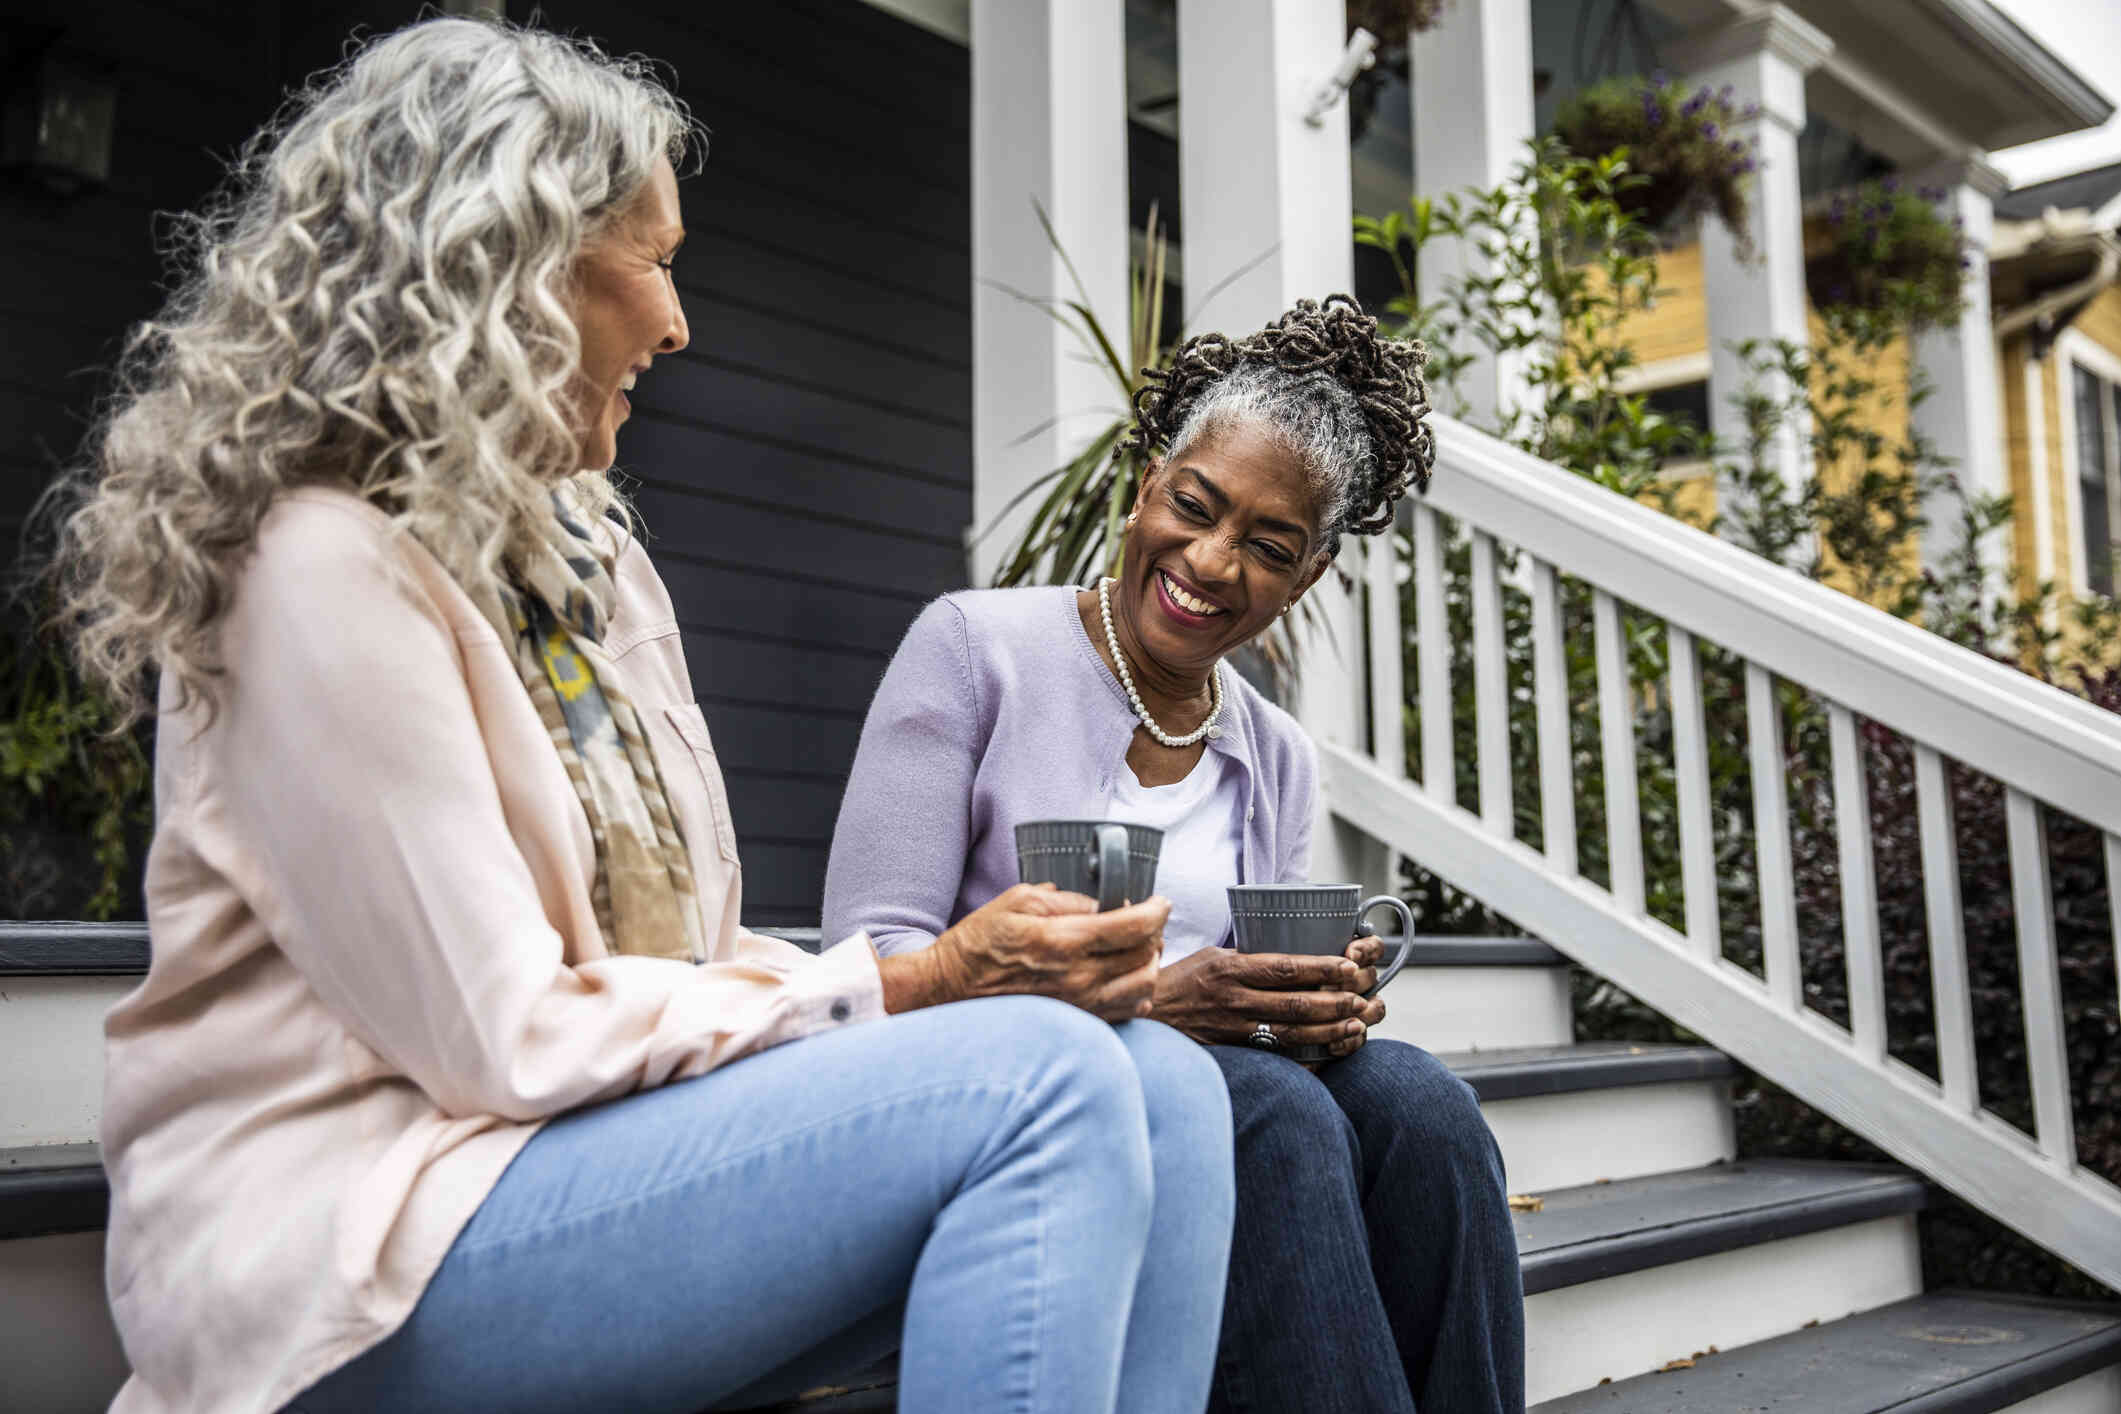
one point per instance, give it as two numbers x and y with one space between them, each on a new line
2043 745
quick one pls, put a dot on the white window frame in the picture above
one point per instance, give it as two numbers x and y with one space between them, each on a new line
1671 373
2076 351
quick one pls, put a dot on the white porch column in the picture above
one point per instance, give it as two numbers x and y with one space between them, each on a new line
1764 59
1963 416
1049 129
1259 184
1472 97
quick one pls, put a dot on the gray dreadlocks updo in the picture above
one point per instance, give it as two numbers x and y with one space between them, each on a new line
1348 404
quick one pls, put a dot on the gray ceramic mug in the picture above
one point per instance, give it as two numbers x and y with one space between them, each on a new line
1318 920
1111 862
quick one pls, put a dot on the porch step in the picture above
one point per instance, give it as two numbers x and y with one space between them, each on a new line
1944 1353
1571 1115
1466 994
1621 1278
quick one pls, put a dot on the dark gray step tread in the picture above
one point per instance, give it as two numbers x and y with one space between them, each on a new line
72 949
1606 1229
52 1188
1943 1353
120 949
1519 1072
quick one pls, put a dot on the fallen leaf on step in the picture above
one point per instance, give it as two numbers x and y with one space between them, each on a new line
1527 1203
1671 1365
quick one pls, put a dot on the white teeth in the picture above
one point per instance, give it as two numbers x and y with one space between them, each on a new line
626 383
1188 602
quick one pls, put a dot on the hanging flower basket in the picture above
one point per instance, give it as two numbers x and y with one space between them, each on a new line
1392 21
1680 143
1888 254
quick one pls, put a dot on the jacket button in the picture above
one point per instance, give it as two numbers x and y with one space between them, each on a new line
840 1010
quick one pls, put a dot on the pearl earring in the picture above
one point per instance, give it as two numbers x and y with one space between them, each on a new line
1133 516
1286 607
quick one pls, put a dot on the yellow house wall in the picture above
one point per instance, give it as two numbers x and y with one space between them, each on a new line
1678 323
2054 387
1677 326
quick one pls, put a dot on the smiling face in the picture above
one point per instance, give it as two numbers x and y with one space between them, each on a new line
1228 534
625 307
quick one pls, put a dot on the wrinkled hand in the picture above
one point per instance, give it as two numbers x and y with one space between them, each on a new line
1036 939
1218 995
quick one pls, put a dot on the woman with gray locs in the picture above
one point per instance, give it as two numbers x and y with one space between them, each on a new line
454 1082
1373 1267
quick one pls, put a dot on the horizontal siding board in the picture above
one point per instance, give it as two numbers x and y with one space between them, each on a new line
731 63
738 534
746 403
780 738
829 361
820 182
839 681
688 458
756 270
758 601
908 263
782 808
872 53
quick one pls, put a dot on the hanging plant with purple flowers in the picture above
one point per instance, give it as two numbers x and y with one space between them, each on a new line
1394 21
1681 142
1887 254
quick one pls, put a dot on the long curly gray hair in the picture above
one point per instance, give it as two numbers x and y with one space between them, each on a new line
377 298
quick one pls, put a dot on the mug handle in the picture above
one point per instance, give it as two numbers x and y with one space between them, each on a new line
1111 866
1406 936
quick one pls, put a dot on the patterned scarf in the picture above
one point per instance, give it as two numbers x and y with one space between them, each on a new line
554 608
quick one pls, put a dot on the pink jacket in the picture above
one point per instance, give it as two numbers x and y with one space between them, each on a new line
376 969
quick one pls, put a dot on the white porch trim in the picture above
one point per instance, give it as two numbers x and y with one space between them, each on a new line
1764 59
1049 130
1963 417
1472 101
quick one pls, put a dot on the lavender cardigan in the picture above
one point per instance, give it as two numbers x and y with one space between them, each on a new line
995 710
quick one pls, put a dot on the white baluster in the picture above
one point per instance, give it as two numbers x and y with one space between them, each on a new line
1771 837
1550 690
1439 776
1690 770
1947 930
1491 690
1388 703
1859 887
2113 895
2046 1052
1616 726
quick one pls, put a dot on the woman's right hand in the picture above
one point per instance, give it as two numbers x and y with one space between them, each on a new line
1038 940
1217 996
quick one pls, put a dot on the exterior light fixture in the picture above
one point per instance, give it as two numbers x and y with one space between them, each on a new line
59 122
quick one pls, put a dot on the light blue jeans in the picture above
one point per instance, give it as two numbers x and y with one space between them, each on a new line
1034 1205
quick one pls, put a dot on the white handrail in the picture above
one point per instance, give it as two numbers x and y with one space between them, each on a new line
2046 747
2049 744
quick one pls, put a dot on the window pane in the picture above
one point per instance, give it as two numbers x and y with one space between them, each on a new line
2091 483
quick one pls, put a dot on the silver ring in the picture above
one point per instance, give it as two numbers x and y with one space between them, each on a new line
1264 1038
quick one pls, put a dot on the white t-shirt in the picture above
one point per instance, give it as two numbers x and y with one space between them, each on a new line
1203 820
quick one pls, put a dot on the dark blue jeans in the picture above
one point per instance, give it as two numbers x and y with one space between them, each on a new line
1373 1268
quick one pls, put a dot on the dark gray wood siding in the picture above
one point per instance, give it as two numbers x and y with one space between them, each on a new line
804 469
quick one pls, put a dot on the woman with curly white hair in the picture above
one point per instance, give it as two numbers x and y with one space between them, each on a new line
454 1082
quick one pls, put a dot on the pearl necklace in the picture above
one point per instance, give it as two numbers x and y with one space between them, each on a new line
1206 729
